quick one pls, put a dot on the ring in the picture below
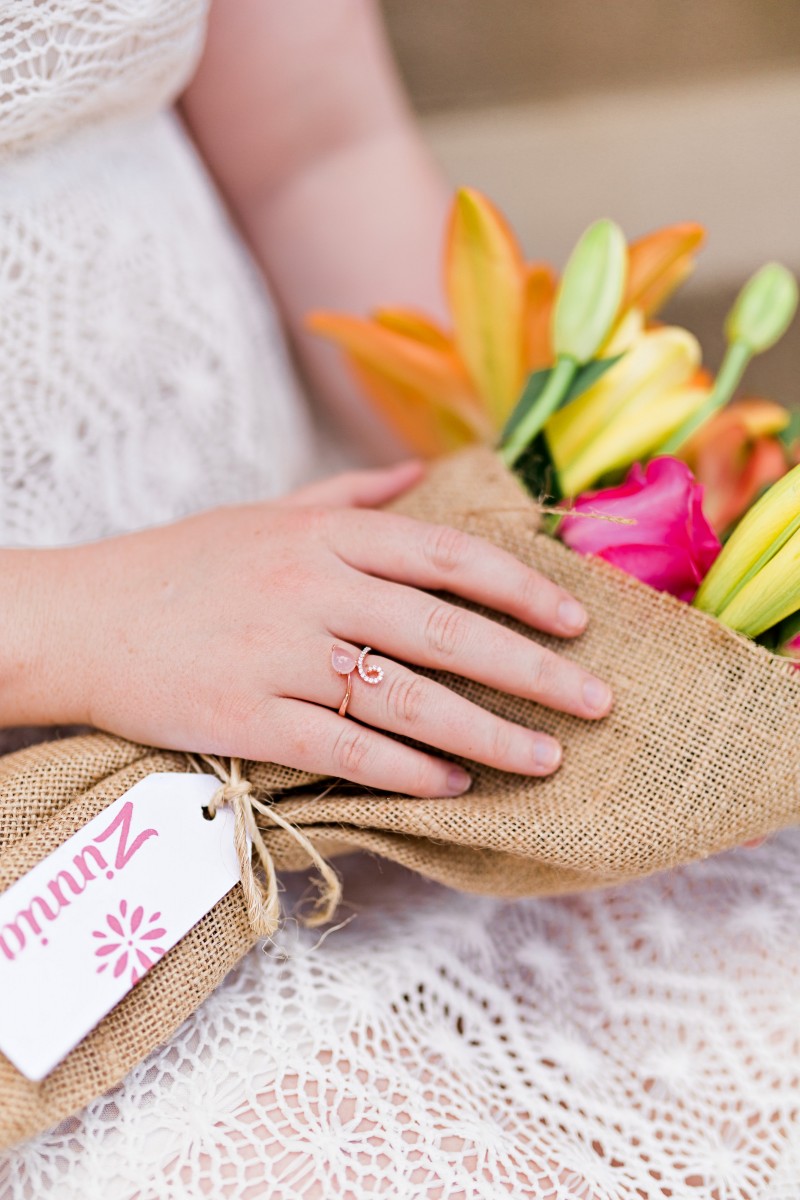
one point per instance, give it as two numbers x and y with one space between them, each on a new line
343 663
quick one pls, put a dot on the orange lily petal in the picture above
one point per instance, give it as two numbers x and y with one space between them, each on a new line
702 378
426 429
658 263
399 370
415 325
765 466
759 418
734 472
484 279
541 283
754 418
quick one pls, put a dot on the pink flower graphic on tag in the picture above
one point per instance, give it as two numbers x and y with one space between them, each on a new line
130 941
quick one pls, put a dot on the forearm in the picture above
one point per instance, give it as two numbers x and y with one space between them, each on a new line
34 652
300 116
378 244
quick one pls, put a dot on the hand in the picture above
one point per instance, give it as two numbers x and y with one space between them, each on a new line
215 634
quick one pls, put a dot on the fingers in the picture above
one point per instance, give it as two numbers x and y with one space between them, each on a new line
409 704
359 489
319 740
439 558
429 632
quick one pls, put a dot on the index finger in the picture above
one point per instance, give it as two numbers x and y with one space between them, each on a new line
439 558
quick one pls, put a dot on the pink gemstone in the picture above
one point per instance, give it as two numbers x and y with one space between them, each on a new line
342 660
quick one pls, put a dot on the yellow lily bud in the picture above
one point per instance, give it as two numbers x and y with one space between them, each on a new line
770 596
631 405
764 309
755 542
591 291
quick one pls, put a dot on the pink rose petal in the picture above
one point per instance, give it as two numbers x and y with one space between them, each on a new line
652 526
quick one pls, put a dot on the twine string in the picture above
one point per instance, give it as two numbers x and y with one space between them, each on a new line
546 511
262 895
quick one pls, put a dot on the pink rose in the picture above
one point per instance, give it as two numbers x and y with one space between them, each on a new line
791 649
671 546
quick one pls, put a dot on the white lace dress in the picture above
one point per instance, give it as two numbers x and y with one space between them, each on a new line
639 1043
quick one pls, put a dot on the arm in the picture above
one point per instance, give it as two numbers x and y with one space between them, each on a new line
298 112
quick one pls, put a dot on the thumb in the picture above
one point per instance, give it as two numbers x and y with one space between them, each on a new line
360 489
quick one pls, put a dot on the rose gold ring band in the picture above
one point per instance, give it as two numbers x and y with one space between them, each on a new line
345 663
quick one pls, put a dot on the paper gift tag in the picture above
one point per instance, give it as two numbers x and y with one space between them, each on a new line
87 922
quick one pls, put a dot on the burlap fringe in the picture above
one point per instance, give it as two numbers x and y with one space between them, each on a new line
262 897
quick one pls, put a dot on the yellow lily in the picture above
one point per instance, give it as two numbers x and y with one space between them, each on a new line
629 411
755 581
772 595
441 388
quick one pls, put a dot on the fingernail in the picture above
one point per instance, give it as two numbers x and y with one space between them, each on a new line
596 695
571 615
458 781
546 753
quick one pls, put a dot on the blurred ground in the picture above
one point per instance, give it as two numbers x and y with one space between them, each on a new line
649 113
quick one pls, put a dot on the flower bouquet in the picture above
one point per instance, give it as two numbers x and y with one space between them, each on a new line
574 431
606 456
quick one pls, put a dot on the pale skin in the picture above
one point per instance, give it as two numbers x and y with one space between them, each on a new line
215 633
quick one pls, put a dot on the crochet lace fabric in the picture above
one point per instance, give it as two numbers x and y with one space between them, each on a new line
641 1042
142 374
636 1044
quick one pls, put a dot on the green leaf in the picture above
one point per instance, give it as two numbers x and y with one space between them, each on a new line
538 472
789 436
585 377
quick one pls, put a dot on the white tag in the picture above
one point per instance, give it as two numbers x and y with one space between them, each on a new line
83 926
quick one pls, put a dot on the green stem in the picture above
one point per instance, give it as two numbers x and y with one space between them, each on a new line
539 414
730 374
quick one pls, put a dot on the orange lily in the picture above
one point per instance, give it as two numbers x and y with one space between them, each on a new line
658 263
485 286
541 283
418 383
736 455
440 389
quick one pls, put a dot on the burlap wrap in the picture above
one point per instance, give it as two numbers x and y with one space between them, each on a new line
701 753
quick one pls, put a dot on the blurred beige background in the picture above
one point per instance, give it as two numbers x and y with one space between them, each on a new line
566 110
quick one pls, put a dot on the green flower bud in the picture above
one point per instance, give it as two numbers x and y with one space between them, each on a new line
764 309
590 293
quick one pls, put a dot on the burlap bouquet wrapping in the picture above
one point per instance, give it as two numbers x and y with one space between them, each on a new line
700 754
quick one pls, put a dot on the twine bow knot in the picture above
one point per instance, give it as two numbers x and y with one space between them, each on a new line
262 896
